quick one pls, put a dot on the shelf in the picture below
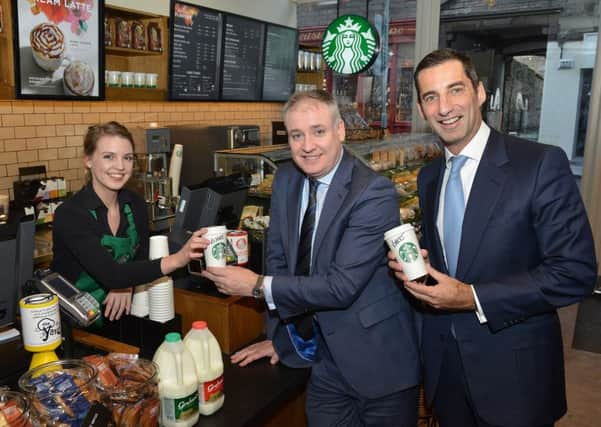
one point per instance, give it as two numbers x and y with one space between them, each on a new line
111 10
125 51
139 94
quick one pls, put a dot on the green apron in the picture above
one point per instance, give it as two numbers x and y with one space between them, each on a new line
123 250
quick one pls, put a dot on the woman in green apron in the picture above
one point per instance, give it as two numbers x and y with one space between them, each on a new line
100 235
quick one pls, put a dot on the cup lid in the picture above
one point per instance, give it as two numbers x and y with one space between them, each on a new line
397 230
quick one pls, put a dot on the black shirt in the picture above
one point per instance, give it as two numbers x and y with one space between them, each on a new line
76 236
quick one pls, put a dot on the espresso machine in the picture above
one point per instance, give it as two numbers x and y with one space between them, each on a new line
151 175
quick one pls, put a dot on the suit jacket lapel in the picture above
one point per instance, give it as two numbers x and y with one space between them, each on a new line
484 195
292 213
333 202
430 204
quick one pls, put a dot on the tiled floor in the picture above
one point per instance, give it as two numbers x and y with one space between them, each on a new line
583 378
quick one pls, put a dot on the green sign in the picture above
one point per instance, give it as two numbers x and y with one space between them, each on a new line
350 44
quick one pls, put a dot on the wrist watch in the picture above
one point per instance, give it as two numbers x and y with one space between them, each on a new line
257 291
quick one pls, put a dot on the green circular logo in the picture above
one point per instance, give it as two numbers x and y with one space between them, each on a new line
408 252
350 44
218 250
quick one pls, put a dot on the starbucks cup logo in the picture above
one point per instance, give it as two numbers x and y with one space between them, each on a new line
408 252
218 250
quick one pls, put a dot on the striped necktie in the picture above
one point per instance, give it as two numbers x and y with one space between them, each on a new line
304 323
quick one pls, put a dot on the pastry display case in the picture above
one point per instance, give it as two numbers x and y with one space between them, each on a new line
398 157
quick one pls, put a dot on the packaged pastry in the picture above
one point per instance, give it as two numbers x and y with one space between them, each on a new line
138 35
61 392
128 386
154 37
109 31
122 33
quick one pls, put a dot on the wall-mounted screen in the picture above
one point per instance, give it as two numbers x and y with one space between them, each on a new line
216 56
280 63
242 59
195 53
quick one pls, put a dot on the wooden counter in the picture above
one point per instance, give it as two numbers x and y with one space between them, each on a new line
235 321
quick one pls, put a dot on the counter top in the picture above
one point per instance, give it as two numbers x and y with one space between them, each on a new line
254 392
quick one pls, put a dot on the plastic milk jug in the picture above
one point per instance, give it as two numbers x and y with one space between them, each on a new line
178 386
209 366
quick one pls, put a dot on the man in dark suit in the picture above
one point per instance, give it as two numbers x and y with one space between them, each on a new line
516 247
343 313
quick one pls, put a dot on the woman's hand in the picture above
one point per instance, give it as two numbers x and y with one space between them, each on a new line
192 250
254 352
117 302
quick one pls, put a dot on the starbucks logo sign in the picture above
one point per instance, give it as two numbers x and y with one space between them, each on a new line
408 252
350 44
218 250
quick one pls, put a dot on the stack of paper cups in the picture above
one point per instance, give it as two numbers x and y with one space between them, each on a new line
139 302
175 168
161 307
160 300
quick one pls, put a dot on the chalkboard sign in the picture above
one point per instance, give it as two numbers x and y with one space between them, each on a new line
280 63
216 55
195 58
242 59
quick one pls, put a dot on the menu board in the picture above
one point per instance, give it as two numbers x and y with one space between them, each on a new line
221 56
242 59
280 63
195 53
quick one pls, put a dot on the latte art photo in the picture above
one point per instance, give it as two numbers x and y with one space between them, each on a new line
47 45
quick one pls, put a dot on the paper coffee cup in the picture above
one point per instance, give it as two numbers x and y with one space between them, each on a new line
215 252
403 242
158 247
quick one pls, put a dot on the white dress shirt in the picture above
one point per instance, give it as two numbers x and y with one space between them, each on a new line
473 151
322 190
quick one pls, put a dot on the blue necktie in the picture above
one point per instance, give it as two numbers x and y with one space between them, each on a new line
454 207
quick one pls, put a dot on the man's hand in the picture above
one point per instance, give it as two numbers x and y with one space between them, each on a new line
448 294
255 352
397 268
117 302
232 280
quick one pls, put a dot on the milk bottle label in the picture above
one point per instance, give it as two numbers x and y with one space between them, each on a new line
180 409
211 390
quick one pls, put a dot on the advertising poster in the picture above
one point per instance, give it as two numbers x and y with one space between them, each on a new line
58 49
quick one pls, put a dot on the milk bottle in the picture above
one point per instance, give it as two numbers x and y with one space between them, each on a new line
209 366
177 383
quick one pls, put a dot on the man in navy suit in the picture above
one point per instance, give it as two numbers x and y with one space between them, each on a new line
363 345
491 338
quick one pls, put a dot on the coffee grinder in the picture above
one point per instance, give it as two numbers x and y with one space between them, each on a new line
151 175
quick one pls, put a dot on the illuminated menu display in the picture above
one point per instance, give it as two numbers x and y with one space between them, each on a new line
242 59
195 53
217 56
280 63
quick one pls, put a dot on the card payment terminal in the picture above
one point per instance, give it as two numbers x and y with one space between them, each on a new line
80 306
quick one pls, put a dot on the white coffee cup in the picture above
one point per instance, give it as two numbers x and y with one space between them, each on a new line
127 79
152 80
215 252
403 242
158 247
114 78
140 79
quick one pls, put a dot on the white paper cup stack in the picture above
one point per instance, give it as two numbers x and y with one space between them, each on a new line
160 300
139 303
